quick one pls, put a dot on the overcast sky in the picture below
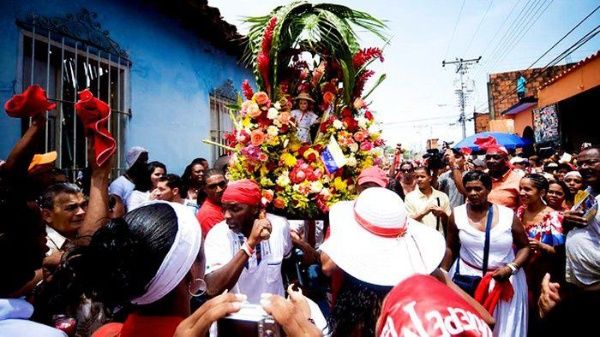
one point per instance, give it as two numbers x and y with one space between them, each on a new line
418 101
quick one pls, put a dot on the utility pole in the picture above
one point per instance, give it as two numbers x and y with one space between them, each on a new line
462 67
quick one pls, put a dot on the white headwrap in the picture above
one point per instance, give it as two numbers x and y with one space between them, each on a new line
573 173
178 261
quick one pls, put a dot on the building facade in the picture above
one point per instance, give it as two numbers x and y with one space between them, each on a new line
167 69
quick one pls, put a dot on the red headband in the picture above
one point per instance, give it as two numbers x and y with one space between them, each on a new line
244 191
489 144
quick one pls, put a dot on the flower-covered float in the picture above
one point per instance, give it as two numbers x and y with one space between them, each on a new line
305 52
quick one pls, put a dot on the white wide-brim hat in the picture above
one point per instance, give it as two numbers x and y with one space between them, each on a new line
375 241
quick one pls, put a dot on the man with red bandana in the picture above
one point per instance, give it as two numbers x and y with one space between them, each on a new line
245 251
505 183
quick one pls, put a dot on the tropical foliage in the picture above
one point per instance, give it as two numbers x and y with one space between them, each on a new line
314 49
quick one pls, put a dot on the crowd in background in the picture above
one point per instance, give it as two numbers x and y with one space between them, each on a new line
451 244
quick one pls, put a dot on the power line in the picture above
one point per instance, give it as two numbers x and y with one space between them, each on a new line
562 38
587 37
419 120
513 43
514 27
478 27
455 25
554 45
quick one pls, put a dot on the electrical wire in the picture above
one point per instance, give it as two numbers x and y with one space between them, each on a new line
455 26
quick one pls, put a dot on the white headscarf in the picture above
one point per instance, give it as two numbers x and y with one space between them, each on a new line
178 261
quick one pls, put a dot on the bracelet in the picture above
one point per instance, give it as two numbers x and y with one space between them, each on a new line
247 249
513 267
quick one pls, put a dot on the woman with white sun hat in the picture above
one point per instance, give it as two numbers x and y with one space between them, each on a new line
376 245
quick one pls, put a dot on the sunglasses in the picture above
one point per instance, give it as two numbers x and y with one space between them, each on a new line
493 156
406 170
221 184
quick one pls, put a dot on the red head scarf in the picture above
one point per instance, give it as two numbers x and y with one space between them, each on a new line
489 144
244 191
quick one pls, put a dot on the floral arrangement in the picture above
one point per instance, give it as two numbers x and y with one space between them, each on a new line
328 65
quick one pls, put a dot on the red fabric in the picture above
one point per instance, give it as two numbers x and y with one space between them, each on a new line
30 103
209 215
244 191
466 151
423 306
94 115
137 325
489 144
489 299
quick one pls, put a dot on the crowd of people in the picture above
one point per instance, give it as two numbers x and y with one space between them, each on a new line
497 246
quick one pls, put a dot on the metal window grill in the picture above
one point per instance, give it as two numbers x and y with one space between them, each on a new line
220 121
56 55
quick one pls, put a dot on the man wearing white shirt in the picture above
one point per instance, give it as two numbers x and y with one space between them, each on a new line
245 251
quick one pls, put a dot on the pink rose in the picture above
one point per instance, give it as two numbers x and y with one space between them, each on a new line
366 146
284 117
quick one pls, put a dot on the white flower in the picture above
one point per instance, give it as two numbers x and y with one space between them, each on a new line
351 161
277 106
353 147
325 193
272 131
272 113
283 180
338 124
362 122
374 129
316 187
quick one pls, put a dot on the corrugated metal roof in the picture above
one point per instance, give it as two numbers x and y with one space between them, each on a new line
571 69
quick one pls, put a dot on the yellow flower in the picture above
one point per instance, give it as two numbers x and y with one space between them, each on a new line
283 179
288 159
264 181
339 184
294 146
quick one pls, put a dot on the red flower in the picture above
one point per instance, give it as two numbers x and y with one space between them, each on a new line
247 89
346 112
351 124
369 115
360 82
30 103
365 55
297 175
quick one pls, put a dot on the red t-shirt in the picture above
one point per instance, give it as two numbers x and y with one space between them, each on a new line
209 215
138 325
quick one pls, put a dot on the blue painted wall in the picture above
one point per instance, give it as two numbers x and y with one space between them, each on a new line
172 74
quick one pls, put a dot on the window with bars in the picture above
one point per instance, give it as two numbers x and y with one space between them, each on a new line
220 123
64 66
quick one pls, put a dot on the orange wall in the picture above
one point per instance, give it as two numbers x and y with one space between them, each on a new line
522 120
582 79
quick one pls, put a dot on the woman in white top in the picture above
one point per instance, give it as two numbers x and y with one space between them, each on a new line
466 232
143 191
304 117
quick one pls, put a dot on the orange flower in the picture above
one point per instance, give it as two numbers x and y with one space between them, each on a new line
284 117
279 203
359 136
328 98
268 195
257 137
261 98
